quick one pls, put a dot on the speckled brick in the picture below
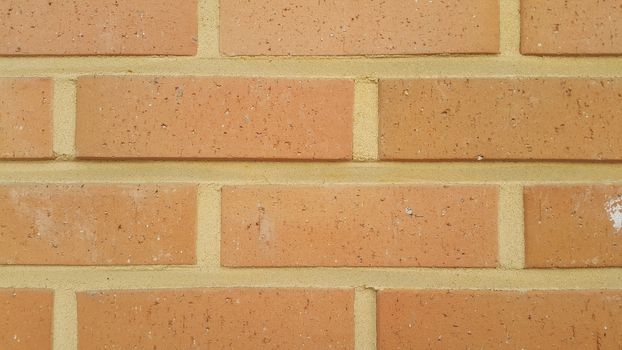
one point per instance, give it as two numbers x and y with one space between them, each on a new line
501 119
359 226
573 226
351 27
25 118
97 224
26 319
215 118
571 27
216 319
98 27
499 320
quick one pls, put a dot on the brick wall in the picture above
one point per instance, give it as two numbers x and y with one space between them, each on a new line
246 174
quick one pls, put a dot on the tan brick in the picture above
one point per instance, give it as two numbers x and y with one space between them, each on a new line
26 319
351 27
359 226
522 119
571 27
25 118
97 224
98 27
573 226
221 118
216 319
499 320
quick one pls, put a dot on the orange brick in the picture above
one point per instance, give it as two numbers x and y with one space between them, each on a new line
216 319
571 27
215 118
97 224
504 119
25 118
26 319
573 226
499 320
98 27
351 27
359 226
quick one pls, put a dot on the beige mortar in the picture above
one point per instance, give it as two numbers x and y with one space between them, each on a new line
64 118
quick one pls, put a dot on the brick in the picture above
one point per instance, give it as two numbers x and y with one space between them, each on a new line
216 319
214 118
573 226
499 320
571 27
359 226
500 119
98 27
351 27
25 118
26 319
97 224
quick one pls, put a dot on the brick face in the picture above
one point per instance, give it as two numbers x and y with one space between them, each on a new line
571 27
501 119
97 224
26 319
98 27
359 226
573 226
25 118
499 320
214 118
350 27
322 152
216 319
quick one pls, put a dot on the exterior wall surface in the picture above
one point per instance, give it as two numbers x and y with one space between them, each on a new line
298 174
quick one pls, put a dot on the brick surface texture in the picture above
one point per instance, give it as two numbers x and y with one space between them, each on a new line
350 27
573 226
26 321
217 318
499 320
107 27
97 224
302 174
26 118
359 226
571 27
501 119
164 117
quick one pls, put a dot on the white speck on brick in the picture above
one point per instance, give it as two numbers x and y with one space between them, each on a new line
266 230
613 207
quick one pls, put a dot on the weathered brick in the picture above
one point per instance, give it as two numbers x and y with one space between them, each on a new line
351 27
216 319
499 319
26 319
98 27
571 27
216 118
573 226
359 226
25 118
502 119
97 224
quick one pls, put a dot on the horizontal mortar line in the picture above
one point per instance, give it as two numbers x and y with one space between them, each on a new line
344 67
376 278
312 173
